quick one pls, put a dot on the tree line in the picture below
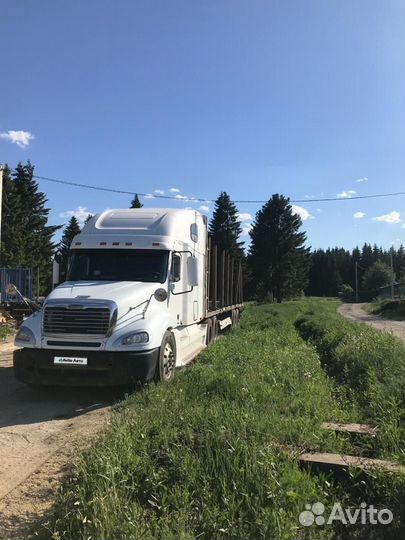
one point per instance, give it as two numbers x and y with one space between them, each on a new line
277 264
333 270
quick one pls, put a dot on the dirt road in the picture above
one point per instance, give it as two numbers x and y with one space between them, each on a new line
40 433
357 313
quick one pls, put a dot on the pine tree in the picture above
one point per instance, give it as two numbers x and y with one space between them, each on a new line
278 259
225 228
136 203
70 231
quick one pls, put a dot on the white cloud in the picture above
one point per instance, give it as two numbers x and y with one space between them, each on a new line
149 196
246 228
392 217
359 215
80 214
244 216
159 191
20 138
346 194
174 190
302 212
318 210
204 208
182 197
364 179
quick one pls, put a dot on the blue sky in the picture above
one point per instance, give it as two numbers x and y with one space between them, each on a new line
301 97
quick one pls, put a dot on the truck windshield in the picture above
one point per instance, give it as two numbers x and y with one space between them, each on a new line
118 265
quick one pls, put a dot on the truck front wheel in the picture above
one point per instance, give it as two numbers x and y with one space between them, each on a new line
167 358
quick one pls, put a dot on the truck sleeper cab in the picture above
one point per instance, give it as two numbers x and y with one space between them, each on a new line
142 296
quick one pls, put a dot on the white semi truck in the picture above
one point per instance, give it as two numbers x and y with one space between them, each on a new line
145 293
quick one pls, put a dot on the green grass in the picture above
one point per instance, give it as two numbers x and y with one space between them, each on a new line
388 309
368 366
214 454
4 331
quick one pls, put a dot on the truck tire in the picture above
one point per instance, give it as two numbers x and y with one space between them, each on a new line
167 358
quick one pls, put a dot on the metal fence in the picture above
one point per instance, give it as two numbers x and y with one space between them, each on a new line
20 277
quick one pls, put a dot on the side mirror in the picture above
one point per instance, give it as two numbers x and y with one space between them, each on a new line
160 295
192 271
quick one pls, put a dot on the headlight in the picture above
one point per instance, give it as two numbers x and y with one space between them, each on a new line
24 335
135 338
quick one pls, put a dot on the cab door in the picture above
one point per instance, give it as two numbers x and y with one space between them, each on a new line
183 302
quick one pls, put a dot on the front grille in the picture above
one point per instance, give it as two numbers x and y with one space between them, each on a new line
89 321
81 344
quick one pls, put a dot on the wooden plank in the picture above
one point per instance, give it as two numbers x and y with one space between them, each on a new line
232 296
337 461
363 429
223 259
227 279
215 275
239 285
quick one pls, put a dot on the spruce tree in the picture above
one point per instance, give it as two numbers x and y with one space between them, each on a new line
278 258
225 228
70 231
136 203
11 230
35 235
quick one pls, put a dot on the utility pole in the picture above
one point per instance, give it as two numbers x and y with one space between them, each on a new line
392 273
356 281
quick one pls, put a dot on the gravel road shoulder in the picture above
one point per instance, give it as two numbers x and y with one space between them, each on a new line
41 431
356 312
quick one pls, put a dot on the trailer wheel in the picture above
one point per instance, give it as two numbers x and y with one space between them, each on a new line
167 358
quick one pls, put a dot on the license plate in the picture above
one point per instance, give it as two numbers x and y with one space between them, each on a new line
70 361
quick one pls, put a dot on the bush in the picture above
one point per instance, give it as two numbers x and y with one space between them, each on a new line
346 291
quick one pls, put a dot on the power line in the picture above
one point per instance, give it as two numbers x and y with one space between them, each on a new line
199 199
